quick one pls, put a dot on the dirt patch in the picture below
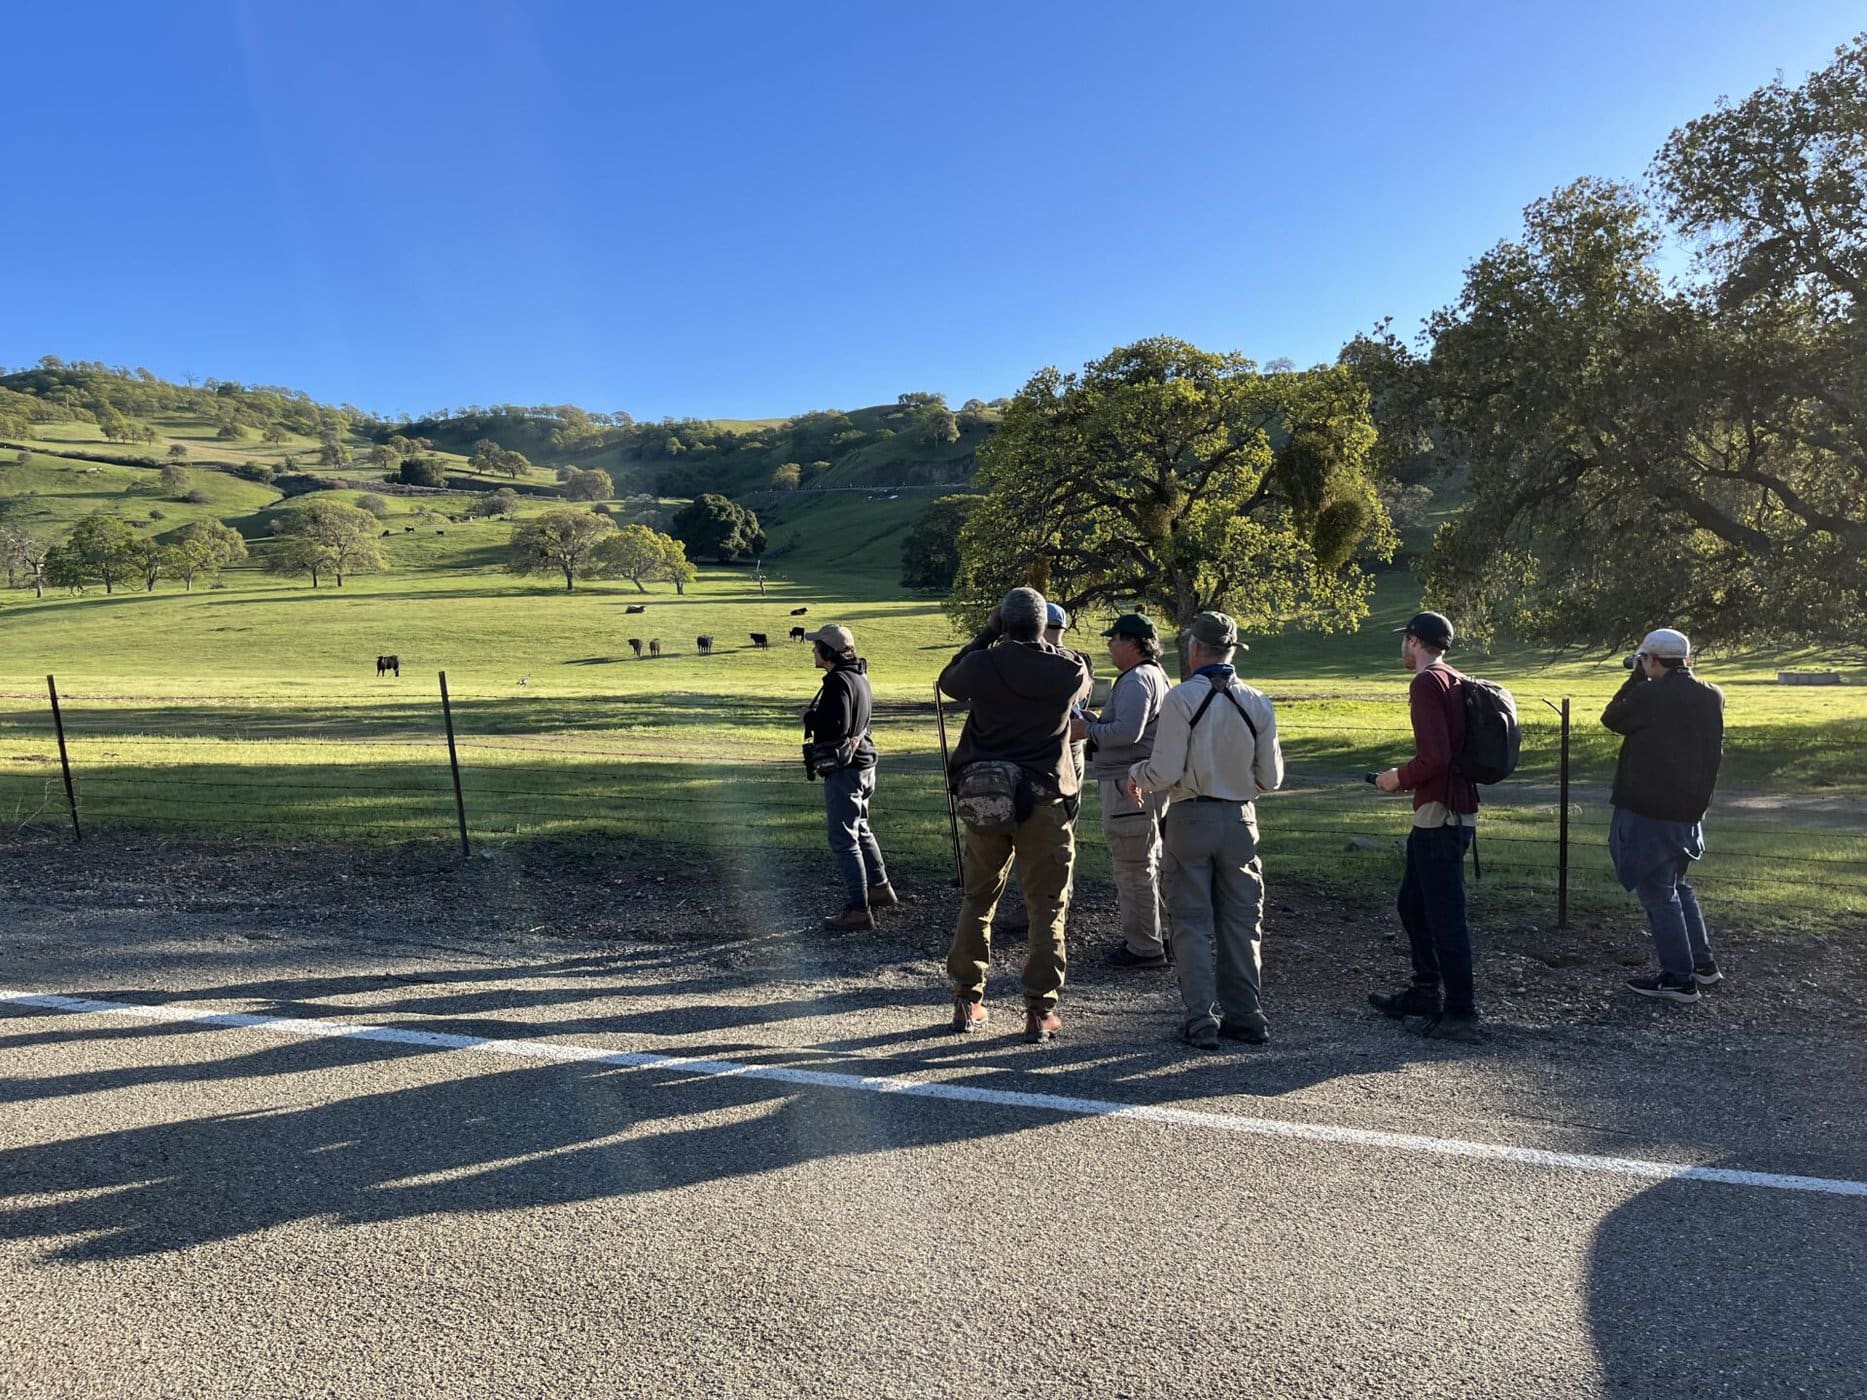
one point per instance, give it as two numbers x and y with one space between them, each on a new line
1323 951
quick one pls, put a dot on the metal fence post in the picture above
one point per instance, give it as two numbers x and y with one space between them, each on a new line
1562 829
64 759
453 762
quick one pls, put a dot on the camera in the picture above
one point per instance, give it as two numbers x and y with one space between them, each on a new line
1629 662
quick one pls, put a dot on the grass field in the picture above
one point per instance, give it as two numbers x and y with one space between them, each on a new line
253 709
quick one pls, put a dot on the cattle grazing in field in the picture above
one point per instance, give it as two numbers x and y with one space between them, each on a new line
705 643
440 532
385 534
799 612
636 608
525 680
759 639
408 529
797 634
635 645
385 664
654 646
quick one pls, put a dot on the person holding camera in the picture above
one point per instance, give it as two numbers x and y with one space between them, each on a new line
1124 735
839 750
1017 788
1671 725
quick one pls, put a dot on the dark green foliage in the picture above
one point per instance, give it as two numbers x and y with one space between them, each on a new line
930 552
423 471
714 526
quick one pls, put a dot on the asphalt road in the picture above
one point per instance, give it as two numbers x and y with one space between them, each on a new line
190 1209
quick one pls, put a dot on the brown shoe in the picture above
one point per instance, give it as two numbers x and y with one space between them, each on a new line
1040 1025
883 897
853 916
968 1016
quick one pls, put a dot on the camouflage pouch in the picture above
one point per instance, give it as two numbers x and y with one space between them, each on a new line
986 797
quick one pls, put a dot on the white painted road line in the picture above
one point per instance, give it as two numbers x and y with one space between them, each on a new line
956 1093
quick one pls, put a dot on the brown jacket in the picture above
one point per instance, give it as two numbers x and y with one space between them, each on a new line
1021 693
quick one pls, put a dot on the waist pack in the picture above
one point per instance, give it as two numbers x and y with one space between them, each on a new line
992 798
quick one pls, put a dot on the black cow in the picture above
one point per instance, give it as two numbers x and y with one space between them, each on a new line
635 645
759 639
385 664
797 634
636 608
705 644
799 612
654 646
408 529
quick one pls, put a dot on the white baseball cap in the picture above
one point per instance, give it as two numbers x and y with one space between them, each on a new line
1665 643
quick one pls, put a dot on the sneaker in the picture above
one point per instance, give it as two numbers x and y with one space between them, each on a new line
1664 988
1414 1001
1707 974
883 896
1253 1029
1202 1037
852 916
1040 1025
1447 1026
1124 956
968 1016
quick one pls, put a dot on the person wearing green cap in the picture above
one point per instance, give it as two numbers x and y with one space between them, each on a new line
1123 734
1213 760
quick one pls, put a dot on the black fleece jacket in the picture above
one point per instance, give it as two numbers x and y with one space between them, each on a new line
842 710
1674 740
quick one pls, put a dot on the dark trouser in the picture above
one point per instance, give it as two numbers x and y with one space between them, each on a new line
1432 910
1044 846
846 795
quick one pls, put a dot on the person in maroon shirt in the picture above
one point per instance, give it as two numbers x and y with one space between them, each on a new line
1445 819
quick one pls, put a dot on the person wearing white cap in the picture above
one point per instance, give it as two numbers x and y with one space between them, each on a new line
837 726
1671 725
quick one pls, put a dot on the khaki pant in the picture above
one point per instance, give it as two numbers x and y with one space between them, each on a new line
1044 846
1214 884
1133 837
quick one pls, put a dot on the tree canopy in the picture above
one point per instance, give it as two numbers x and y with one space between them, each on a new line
930 550
1693 454
1177 479
325 537
711 524
560 542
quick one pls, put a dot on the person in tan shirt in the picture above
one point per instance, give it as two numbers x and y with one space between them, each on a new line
1215 751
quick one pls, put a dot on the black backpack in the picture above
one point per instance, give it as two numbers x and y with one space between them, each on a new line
1493 740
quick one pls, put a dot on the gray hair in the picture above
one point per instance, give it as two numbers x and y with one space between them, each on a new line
1023 614
1219 656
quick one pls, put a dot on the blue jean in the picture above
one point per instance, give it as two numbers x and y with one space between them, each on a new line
1432 911
1656 856
846 795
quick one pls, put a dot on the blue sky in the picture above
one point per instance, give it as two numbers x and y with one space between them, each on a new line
760 209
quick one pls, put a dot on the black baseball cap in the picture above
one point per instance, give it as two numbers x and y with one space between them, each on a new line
1435 629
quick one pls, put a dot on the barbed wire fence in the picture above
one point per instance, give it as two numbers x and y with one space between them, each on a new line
718 776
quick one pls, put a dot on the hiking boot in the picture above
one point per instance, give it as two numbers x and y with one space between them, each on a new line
1203 1037
1707 974
1124 956
1665 988
1252 1028
1040 1025
883 896
1414 1001
968 1016
1462 1028
852 917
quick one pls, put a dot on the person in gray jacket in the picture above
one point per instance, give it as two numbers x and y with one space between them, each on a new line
1215 750
1124 735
